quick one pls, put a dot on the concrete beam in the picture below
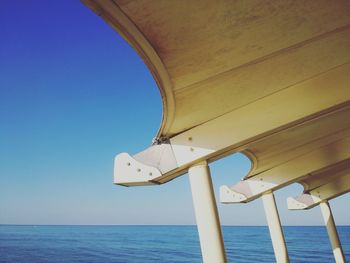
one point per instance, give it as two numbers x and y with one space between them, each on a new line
333 189
286 173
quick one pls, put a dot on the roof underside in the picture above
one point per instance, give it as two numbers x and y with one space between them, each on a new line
221 55
224 58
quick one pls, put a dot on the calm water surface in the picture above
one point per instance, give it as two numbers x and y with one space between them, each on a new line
131 244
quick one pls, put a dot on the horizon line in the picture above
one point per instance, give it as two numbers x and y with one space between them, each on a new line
224 225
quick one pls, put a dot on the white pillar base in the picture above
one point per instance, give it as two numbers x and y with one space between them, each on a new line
276 232
207 217
332 232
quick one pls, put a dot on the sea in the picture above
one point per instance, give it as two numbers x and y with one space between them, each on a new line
161 244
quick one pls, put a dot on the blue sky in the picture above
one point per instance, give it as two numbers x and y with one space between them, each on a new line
73 94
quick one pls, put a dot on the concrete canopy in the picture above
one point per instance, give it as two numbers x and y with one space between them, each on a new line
269 79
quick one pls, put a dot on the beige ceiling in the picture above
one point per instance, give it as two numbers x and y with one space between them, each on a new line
220 58
221 55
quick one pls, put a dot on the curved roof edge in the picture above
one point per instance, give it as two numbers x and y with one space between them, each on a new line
121 23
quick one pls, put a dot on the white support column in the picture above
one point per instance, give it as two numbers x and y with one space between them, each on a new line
207 217
276 232
332 232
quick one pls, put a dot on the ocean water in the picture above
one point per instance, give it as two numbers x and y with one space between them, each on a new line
161 244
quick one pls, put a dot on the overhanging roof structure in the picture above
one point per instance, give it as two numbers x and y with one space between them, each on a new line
270 79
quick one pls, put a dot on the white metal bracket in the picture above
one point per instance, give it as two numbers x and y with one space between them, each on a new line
301 202
144 168
245 191
128 171
228 195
